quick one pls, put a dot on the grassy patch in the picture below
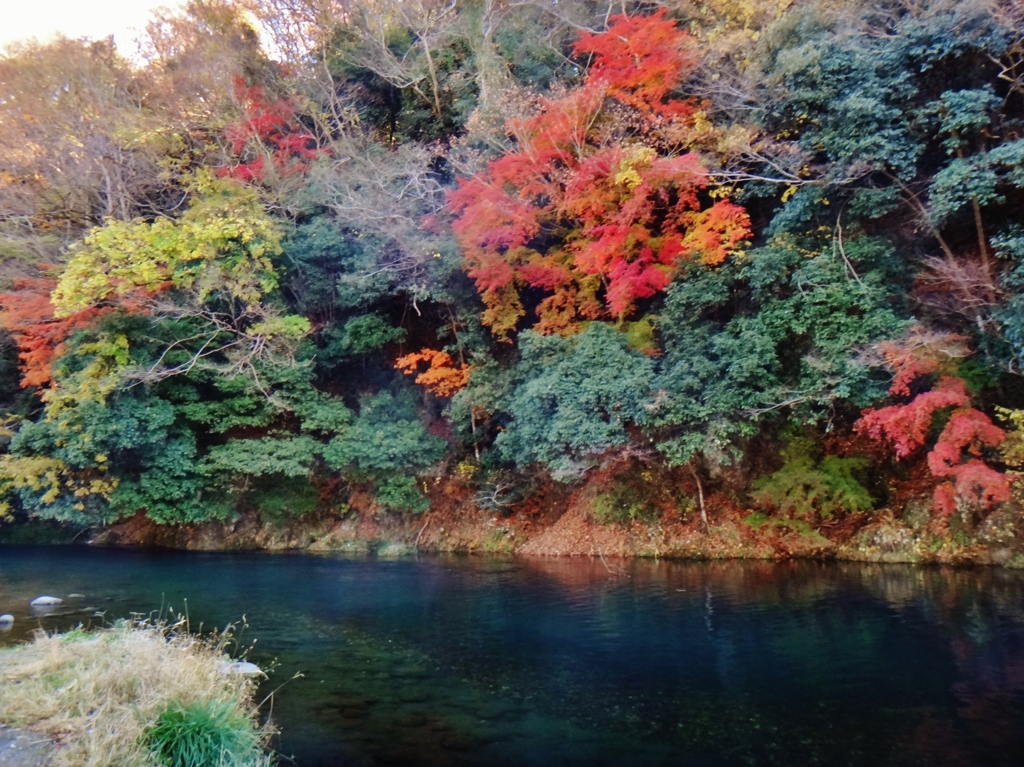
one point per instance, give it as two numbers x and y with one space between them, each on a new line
757 520
213 732
134 695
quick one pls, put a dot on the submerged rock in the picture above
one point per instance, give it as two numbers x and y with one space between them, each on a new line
6 621
395 550
45 601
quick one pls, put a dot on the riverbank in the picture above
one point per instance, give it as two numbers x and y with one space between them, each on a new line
564 522
134 695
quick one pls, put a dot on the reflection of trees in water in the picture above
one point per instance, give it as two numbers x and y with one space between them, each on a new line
745 580
979 614
964 704
947 591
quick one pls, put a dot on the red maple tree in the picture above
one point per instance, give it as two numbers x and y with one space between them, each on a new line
600 201
958 454
268 130
27 314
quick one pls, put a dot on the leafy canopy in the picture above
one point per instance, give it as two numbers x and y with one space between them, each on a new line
223 244
600 201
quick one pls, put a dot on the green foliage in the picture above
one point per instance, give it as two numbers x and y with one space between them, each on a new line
962 114
400 492
769 337
114 458
756 520
622 504
282 500
1009 246
219 404
168 488
330 267
985 178
571 399
808 488
877 147
363 334
386 436
285 456
209 732
387 445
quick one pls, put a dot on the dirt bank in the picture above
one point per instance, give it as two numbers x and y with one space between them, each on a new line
562 522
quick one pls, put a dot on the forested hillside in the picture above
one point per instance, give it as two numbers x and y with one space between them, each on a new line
310 259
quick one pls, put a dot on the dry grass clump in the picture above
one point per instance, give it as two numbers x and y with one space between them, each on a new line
107 697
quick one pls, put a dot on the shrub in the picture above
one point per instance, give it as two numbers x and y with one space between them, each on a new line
807 488
621 504
401 493
287 499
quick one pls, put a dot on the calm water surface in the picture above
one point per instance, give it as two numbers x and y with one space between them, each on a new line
448 661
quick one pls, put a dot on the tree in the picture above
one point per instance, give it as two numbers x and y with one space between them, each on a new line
27 313
442 376
600 201
213 264
268 138
959 454
78 143
386 445
567 401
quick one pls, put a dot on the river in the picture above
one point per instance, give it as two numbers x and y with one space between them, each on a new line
466 661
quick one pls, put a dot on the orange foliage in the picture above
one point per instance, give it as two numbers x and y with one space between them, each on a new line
442 377
641 60
918 354
27 314
597 207
959 450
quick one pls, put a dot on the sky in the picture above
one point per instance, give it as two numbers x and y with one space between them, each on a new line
20 19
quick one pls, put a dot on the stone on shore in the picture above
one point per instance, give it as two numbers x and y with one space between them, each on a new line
242 668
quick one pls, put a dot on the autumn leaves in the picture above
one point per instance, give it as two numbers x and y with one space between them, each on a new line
600 200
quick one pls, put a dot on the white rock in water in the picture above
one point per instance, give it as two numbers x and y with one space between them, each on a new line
243 668
46 601
6 620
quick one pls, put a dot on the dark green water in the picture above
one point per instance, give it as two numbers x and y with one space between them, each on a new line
447 661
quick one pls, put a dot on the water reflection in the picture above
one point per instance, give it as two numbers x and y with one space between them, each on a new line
542 661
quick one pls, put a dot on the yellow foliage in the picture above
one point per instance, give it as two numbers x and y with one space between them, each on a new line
222 243
634 156
727 24
1012 448
94 382
50 477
